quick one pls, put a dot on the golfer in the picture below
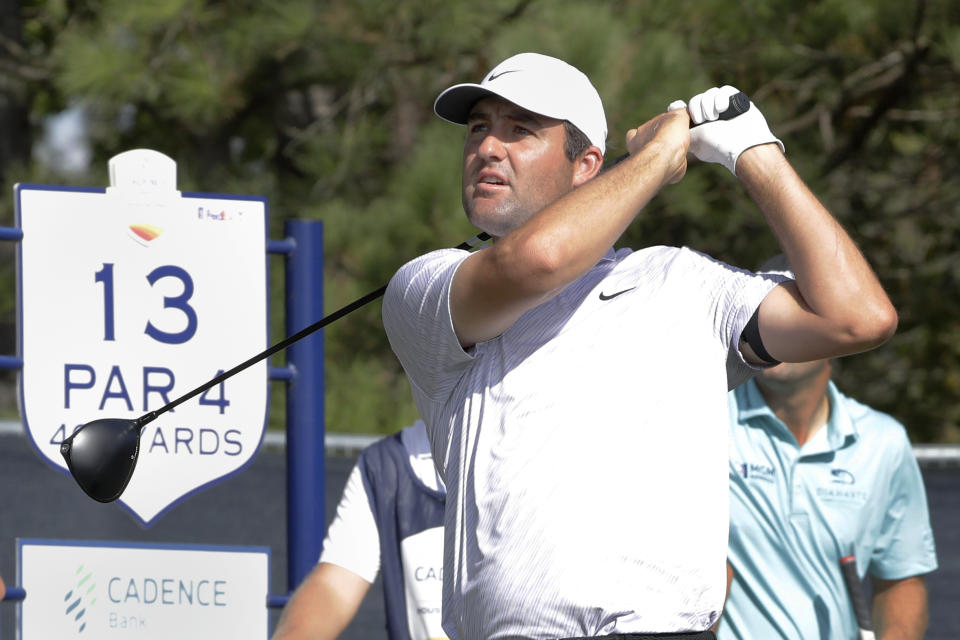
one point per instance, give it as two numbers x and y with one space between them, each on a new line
575 395
816 476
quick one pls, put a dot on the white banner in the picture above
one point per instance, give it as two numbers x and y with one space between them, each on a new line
127 304
144 591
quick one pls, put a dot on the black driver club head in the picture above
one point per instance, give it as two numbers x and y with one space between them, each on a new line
101 456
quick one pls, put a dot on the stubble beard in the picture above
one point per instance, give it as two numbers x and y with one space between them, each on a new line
496 219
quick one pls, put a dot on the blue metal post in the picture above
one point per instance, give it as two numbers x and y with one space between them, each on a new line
12 234
306 519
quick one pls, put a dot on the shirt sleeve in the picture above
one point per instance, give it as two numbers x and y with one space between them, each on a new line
905 545
419 326
735 295
353 541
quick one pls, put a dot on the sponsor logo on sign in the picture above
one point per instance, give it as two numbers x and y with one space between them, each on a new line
79 598
143 233
101 591
205 213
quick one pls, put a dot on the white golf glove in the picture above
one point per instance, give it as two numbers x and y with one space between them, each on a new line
723 141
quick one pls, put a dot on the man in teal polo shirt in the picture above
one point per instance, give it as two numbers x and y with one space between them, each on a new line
816 476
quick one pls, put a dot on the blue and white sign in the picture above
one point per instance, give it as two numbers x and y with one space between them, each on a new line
105 590
131 297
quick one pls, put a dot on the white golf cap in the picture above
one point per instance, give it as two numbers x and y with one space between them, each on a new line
538 83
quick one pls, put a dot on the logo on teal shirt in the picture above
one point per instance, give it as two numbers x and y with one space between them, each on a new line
753 470
842 476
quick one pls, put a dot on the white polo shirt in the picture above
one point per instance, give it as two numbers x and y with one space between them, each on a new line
585 449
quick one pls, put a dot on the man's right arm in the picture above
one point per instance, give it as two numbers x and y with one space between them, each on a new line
527 267
328 598
323 605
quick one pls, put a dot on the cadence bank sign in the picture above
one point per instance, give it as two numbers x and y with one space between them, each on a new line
130 297
126 590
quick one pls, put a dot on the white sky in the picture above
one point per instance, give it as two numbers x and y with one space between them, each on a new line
64 146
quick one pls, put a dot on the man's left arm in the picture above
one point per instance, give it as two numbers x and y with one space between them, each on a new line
836 306
900 608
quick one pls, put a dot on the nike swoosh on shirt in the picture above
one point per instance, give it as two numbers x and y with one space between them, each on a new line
494 77
604 296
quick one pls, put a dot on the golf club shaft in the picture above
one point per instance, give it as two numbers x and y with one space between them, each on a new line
148 417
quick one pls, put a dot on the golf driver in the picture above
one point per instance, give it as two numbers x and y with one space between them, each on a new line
102 454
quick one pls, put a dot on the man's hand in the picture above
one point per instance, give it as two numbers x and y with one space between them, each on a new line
722 141
671 132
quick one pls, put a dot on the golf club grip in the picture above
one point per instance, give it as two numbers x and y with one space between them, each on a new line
472 243
848 566
739 104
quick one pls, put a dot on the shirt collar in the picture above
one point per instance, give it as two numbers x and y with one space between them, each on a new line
840 428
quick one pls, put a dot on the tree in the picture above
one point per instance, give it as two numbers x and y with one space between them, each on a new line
324 108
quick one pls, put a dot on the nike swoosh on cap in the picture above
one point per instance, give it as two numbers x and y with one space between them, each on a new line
604 296
494 77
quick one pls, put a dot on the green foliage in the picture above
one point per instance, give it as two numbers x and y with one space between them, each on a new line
324 108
